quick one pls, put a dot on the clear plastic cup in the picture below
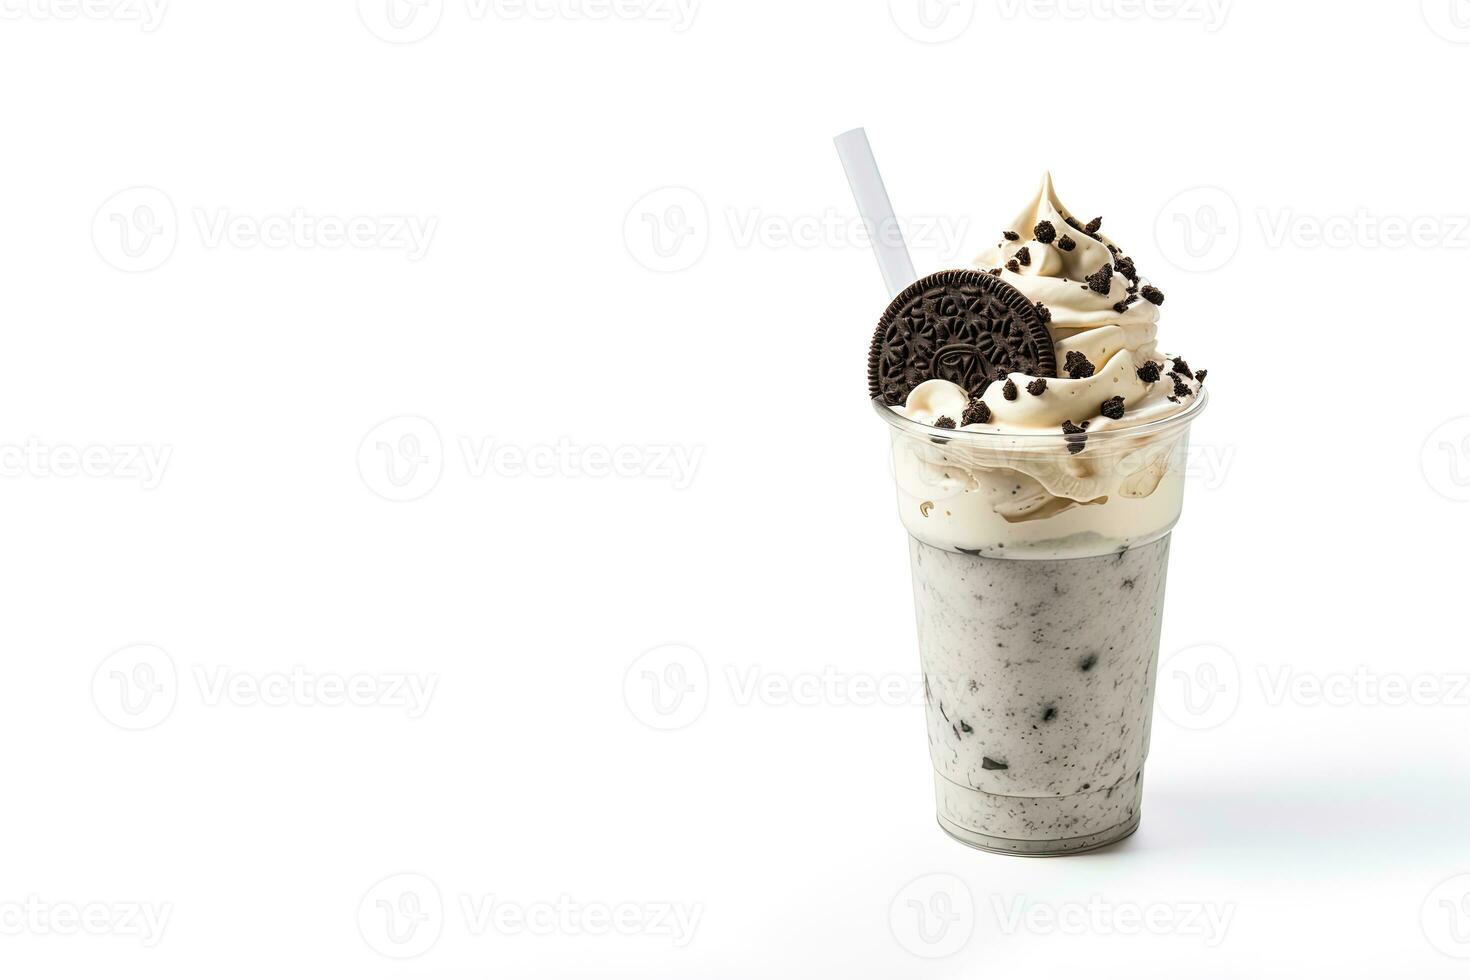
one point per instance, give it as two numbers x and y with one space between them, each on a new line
1039 563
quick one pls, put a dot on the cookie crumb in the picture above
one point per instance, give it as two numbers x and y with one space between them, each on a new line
1153 295
1182 366
1010 391
944 422
1045 232
1023 255
977 412
1200 376
1093 226
1037 386
1078 366
1149 372
1013 265
1066 243
1112 408
1011 236
1101 281
1043 312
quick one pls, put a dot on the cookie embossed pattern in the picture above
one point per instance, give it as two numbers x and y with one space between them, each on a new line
1038 438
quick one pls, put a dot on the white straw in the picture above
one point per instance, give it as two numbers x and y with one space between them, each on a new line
875 210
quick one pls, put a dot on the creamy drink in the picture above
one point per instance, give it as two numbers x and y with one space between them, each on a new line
1038 441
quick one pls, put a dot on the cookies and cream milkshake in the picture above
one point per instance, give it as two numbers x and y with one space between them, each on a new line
1038 439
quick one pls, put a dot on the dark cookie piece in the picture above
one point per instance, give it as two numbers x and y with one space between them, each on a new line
977 412
1011 236
1112 408
1076 436
961 326
1043 312
944 422
1180 388
1200 376
1073 222
1153 295
1010 391
1093 226
1066 243
1101 281
1149 372
1045 232
1037 386
1023 255
986 762
1121 306
1181 365
1126 268
1078 366
1014 265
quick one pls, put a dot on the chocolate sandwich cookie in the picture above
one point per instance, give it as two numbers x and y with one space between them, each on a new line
962 326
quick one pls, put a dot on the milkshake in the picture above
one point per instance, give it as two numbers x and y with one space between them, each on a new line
1038 441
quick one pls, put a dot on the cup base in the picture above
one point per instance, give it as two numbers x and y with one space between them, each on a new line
1041 848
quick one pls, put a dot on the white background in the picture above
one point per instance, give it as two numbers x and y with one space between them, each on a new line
563 302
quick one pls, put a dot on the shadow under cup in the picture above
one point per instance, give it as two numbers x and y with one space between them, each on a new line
1039 570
